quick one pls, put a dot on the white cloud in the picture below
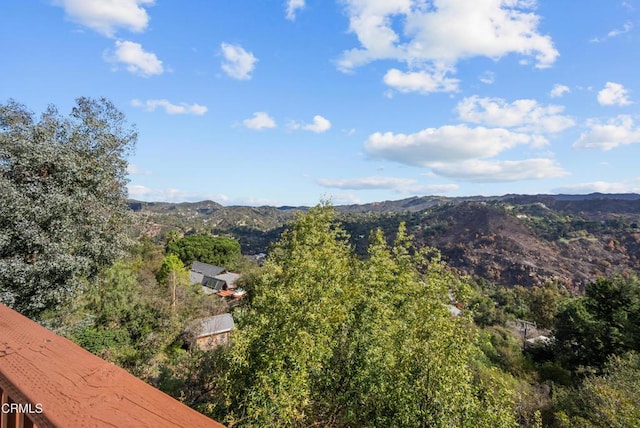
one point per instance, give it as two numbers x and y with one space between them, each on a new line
135 59
135 170
445 144
367 183
420 81
292 8
170 108
613 94
630 186
499 171
627 27
559 90
260 120
488 77
524 115
106 16
319 125
397 184
618 131
238 63
144 193
428 36
343 198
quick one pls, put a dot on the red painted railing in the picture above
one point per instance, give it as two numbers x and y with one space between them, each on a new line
48 381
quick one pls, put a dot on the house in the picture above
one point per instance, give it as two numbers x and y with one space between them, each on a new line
212 278
211 332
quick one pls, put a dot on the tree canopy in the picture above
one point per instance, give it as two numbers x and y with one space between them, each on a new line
217 250
63 190
332 340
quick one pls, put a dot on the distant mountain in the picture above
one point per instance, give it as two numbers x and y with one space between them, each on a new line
510 239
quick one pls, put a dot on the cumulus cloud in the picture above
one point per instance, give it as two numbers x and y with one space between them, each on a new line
397 184
446 144
559 90
319 125
135 59
439 35
170 108
613 94
617 131
292 8
420 81
260 120
106 16
237 63
477 170
524 115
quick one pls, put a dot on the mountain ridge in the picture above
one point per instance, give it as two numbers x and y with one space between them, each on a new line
509 240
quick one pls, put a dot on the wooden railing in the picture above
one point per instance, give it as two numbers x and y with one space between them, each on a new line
14 414
48 381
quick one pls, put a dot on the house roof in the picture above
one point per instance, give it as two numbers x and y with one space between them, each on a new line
208 291
229 277
76 388
213 325
195 277
206 269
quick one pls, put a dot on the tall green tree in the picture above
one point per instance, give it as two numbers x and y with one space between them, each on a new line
63 214
330 340
604 322
174 275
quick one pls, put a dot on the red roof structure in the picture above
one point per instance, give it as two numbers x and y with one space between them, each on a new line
49 381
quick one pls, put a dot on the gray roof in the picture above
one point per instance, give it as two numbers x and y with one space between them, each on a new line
195 277
206 269
208 291
214 325
229 277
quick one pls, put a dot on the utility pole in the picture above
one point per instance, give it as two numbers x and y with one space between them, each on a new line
525 326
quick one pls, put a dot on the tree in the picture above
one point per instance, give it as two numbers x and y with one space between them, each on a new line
331 340
610 400
173 274
63 190
543 304
217 250
604 322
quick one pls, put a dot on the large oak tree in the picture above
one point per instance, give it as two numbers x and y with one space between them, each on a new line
63 214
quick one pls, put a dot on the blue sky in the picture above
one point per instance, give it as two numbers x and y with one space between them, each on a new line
289 102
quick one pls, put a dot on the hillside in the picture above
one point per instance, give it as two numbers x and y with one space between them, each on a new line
510 240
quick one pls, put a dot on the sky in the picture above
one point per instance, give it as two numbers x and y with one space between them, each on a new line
290 102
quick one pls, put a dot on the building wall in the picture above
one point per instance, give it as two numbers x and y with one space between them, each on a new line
207 343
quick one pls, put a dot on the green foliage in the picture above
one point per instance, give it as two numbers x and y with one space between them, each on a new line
543 303
603 323
216 250
63 214
330 340
128 324
173 274
610 400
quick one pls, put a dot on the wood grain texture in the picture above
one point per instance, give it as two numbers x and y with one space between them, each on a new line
75 387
